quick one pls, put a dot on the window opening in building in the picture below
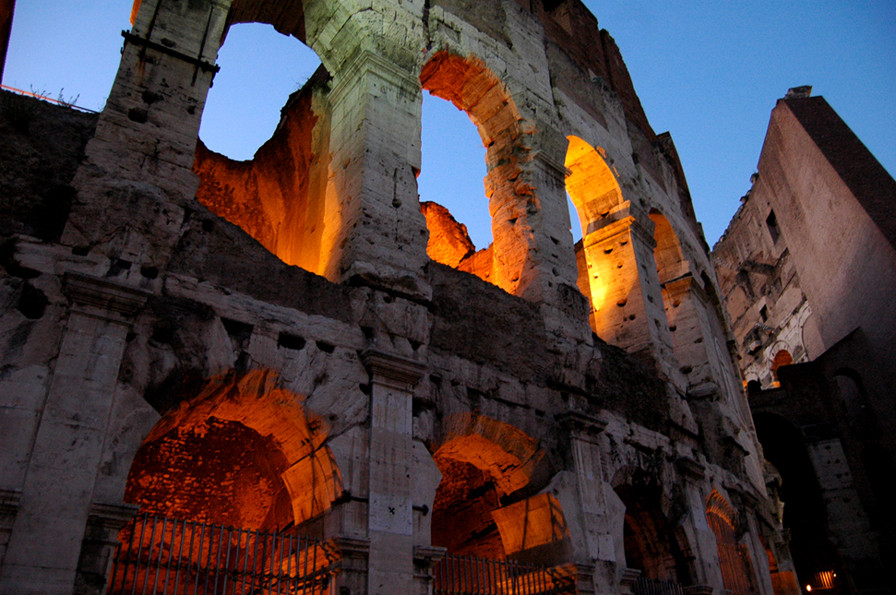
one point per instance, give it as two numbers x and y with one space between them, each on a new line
782 358
243 106
451 175
267 164
772 223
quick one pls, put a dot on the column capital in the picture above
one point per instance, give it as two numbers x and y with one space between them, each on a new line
365 62
392 370
104 295
111 516
624 218
580 424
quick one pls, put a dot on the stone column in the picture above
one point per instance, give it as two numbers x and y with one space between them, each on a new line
137 176
702 539
151 120
626 299
552 262
104 522
47 534
375 229
553 282
395 474
590 546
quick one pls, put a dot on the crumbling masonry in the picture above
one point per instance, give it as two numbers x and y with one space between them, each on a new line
294 344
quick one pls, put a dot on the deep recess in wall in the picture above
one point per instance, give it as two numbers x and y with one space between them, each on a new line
260 85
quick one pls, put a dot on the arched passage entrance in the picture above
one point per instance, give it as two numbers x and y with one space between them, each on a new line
738 574
473 88
242 452
652 544
488 502
227 483
805 514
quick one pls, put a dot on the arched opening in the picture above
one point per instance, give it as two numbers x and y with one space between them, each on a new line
735 561
452 195
278 196
242 109
670 262
229 485
650 541
487 503
591 184
781 358
607 273
805 514
242 452
468 84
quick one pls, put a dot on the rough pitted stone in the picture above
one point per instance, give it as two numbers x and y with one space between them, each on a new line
396 406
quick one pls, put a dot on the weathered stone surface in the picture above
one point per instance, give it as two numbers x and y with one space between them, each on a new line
807 269
290 344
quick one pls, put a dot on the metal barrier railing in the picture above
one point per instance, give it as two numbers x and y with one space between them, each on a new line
165 556
646 586
470 575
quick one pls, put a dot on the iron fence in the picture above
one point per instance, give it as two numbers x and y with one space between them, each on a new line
470 575
646 586
164 556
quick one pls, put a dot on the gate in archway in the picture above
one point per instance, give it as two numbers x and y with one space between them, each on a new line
471 575
165 556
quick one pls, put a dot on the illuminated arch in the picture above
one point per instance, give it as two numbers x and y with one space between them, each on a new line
652 544
735 561
483 505
781 358
242 452
472 87
591 183
670 261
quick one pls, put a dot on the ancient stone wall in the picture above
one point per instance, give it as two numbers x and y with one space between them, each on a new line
806 269
274 344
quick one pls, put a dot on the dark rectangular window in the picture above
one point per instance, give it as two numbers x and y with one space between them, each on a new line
772 223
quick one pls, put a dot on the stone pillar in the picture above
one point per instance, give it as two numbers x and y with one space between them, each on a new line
375 228
151 120
104 522
590 546
552 261
47 534
395 469
702 540
626 299
553 282
143 148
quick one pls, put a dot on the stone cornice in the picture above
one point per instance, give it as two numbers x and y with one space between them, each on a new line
392 370
104 295
578 423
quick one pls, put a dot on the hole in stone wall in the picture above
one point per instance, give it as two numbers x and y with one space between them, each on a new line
452 171
575 224
279 196
260 68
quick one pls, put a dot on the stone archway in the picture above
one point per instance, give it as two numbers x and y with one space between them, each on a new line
652 543
489 502
735 562
473 88
242 452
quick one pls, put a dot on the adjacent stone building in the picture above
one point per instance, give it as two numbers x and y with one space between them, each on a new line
807 269
288 374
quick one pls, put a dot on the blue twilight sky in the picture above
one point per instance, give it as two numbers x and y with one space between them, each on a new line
708 71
